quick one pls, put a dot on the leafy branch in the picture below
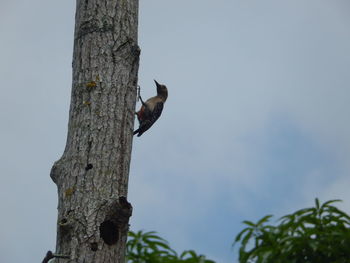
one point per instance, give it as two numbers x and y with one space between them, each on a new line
148 247
316 234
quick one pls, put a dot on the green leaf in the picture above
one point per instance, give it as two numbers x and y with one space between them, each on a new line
263 220
317 203
188 252
249 223
238 237
330 202
246 238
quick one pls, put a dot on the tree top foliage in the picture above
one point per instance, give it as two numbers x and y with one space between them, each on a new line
148 247
316 234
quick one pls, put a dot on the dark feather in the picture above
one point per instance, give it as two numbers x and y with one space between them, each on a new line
150 118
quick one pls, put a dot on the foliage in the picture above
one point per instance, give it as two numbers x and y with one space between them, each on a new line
147 247
317 234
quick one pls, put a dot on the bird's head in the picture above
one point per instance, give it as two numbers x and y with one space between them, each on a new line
162 90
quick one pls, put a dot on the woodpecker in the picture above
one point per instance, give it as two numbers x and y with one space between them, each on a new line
151 109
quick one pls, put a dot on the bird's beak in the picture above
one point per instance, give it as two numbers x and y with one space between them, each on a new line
156 83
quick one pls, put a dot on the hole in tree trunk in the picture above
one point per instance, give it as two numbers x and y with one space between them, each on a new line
109 232
88 167
94 246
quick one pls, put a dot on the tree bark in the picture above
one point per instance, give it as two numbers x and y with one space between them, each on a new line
92 174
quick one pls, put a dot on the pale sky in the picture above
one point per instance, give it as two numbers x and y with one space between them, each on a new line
257 120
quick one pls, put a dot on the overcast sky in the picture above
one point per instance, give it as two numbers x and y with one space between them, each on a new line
257 120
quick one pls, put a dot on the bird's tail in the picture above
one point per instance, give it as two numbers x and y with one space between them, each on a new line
137 131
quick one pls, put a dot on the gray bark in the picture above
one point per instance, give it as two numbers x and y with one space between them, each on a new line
92 174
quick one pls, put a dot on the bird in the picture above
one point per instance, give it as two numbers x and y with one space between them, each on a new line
151 110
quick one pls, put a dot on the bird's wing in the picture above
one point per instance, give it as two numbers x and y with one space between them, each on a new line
157 111
150 118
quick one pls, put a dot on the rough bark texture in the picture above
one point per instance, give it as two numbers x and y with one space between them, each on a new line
92 174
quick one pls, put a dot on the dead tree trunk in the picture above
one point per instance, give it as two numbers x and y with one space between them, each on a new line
92 174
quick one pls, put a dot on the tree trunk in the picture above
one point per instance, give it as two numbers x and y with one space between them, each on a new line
92 174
